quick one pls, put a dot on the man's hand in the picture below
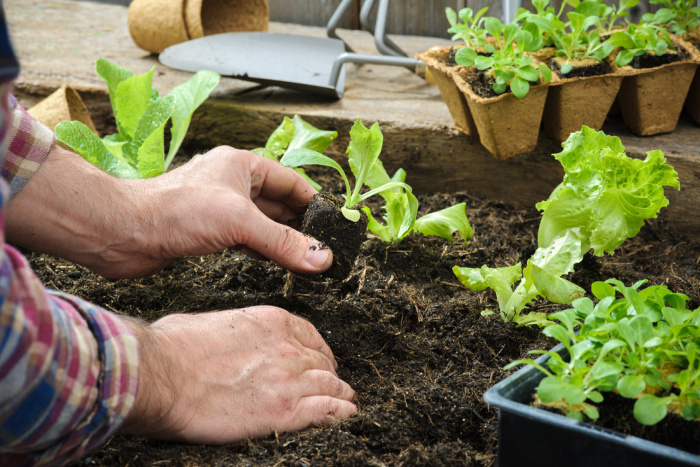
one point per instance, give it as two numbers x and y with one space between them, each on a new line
225 198
222 377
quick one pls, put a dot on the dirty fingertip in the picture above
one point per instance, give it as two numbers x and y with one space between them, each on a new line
319 256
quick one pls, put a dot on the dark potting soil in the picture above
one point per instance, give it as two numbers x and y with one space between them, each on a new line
409 338
325 222
600 68
649 60
482 84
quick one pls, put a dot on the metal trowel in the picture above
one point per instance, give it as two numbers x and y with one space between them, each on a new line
305 63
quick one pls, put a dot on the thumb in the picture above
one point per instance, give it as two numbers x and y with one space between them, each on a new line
289 248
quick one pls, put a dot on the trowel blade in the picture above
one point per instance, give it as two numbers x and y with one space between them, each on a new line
292 61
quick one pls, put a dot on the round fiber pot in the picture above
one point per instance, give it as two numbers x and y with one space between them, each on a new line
207 17
63 105
507 126
157 24
436 63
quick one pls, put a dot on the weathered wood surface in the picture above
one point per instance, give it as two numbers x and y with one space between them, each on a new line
58 41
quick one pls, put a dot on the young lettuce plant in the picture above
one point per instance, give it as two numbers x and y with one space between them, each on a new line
138 149
679 16
572 39
293 134
441 223
639 39
644 345
508 64
471 29
363 153
604 198
401 206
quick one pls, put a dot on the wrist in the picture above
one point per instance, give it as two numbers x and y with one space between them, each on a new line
156 390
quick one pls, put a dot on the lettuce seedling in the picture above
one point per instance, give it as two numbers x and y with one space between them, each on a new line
401 205
441 223
471 29
644 345
571 38
293 134
508 64
138 149
680 16
638 40
363 153
604 198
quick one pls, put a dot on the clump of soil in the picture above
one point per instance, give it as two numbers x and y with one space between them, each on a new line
325 222
408 337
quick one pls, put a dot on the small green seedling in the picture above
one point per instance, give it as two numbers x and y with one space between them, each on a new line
138 149
509 65
643 344
679 16
638 40
363 152
603 200
293 134
401 205
471 29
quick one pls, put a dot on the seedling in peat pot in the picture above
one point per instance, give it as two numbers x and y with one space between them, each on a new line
363 152
508 67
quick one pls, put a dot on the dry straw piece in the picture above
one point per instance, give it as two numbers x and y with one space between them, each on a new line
64 104
157 24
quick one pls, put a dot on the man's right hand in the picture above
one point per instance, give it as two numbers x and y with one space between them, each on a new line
222 377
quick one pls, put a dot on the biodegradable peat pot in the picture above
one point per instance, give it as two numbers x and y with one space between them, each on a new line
577 101
206 17
157 24
64 104
532 436
437 64
692 102
651 99
507 125
325 222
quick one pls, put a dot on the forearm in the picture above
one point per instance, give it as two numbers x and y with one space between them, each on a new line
73 210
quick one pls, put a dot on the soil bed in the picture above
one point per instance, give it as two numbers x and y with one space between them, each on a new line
409 338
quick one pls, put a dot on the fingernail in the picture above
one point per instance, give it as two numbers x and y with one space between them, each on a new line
318 255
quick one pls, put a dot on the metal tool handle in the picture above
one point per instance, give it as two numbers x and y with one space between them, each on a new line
384 45
417 66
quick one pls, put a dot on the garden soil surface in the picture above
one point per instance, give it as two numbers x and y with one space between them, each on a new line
409 338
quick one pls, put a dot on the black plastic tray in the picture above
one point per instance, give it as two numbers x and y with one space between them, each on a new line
530 436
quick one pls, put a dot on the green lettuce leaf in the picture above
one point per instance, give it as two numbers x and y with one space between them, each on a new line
189 96
86 143
445 222
605 195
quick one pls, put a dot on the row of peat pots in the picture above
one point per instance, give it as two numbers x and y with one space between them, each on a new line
649 98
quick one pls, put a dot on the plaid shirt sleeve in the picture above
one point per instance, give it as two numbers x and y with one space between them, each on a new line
29 144
68 369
